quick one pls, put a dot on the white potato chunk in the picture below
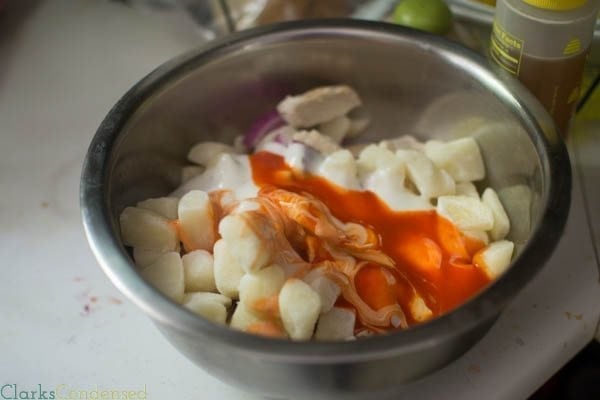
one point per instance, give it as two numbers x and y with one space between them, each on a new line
207 296
247 205
461 158
318 105
227 271
144 257
166 275
261 285
466 189
211 310
208 153
231 171
190 171
495 258
481 236
466 213
299 306
165 206
404 142
303 157
242 318
375 156
250 245
321 143
337 324
146 229
340 168
501 223
429 180
419 310
327 290
336 129
197 221
198 270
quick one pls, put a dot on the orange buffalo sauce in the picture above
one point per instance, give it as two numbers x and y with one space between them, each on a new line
428 250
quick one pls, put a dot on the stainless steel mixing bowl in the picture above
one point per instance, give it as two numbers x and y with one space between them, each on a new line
411 82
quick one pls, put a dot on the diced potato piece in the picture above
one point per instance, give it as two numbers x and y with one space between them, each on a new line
422 252
383 173
197 221
466 189
322 144
303 157
318 105
210 310
501 223
461 158
166 275
207 153
466 213
165 206
403 200
340 168
198 270
495 258
375 156
429 180
299 306
336 129
207 296
327 290
210 307
228 272
144 257
146 229
481 236
337 324
419 310
190 171
250 249
405 142
242 318
261 285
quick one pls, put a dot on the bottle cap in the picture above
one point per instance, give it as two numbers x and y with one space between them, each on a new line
556 5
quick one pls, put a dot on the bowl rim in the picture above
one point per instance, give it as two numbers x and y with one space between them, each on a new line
117 265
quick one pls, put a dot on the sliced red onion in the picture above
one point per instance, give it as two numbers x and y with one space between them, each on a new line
263 125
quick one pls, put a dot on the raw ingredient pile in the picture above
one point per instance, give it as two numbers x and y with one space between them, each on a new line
287 234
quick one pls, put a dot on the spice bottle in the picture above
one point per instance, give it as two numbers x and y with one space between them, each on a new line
545 44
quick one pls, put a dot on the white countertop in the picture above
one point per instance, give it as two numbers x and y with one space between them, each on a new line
62 66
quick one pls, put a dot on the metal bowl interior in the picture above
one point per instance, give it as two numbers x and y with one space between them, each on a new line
411 83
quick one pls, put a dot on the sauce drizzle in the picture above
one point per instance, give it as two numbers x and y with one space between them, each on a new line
428 250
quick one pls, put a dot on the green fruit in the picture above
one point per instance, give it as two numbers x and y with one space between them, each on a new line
427 15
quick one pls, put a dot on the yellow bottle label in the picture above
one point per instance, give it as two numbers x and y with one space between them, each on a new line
505 49
573 47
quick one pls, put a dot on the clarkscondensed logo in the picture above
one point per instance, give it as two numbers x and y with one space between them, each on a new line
12 391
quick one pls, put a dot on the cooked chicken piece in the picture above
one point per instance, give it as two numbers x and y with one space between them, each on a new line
318 105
